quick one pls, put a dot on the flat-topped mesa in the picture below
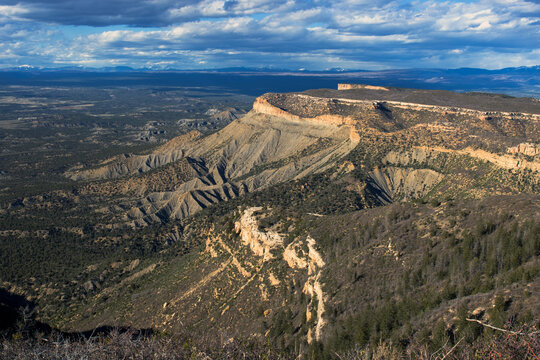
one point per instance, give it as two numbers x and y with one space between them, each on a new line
299 107
261 105
484 102
360 86
351 108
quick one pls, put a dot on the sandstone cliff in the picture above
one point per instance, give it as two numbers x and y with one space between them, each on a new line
360 86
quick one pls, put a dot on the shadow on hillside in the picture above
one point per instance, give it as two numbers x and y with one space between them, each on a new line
104 331
17 316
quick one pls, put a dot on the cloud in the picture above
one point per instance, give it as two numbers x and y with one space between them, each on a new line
141 13
285 33
11 11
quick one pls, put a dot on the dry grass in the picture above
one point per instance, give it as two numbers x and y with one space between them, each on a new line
522 343
129 345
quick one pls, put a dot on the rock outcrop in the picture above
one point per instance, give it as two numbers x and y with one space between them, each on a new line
361 86
528 149
263 105
264 244
261 243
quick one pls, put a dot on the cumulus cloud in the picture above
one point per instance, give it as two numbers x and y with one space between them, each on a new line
285 33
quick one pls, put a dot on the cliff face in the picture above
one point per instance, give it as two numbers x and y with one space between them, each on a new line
261 243
262 105
360 86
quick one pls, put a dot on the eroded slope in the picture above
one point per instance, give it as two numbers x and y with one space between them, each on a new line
290 136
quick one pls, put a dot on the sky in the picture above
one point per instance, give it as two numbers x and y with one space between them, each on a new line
280 34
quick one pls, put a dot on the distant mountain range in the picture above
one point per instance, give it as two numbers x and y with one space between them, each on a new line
462 71
517 81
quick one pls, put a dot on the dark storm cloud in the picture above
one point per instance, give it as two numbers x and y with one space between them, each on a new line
96 12
139 13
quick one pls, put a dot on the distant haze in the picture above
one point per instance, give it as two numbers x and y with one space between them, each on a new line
521 81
